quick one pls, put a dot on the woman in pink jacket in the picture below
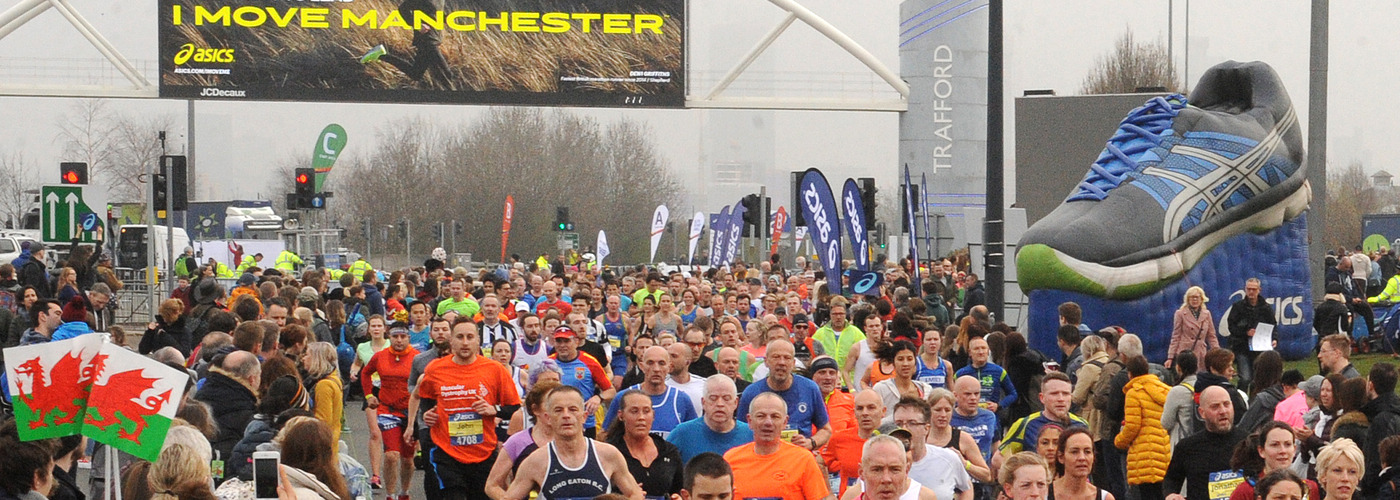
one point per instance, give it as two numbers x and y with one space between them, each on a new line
1193 329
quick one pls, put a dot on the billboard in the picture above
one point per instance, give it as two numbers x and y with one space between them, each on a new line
626 53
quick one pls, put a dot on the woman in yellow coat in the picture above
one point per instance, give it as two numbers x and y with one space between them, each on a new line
1147 442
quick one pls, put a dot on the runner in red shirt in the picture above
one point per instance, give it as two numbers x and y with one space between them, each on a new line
393 366
469 390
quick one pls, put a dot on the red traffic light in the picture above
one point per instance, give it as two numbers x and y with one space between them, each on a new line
72 173
303 178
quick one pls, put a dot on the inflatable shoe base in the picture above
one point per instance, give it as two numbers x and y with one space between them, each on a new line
1278 257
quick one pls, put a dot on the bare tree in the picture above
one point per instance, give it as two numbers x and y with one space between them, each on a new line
17 175
610 176
1349 196
1130 66
118 148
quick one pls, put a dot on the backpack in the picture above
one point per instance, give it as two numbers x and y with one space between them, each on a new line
1196 423
7 301
345 353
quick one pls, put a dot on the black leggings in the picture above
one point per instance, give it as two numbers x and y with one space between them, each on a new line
426 57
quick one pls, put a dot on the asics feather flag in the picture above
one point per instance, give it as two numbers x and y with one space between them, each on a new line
88 386
602 246
506 216
658 226
735 232
856 223
913 236
719 233
328 147
819 209
923 214
697 224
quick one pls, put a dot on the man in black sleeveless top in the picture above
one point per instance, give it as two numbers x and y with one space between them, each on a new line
572 466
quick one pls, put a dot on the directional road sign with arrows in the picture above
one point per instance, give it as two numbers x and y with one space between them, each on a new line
72 210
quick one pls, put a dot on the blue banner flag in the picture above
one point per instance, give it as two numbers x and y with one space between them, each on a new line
736 232
819 209
913 235
719 233
923 212
856 223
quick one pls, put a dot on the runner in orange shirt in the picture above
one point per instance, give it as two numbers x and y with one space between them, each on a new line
469 391
843 452
769 467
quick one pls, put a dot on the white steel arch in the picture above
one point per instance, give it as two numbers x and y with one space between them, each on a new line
25 10
715 99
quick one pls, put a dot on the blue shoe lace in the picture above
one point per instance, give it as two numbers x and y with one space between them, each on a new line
1143 129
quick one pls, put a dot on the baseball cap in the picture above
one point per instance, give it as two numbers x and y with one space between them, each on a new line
822 364
895 431
799 319
564 332
1312 386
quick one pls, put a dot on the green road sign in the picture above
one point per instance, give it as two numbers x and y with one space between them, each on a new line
567 241
71 210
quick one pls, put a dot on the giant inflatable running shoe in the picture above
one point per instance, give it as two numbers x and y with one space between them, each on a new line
1180 178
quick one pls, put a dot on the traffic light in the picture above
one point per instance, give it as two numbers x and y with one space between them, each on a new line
457 228
561 219
867 198
403 229
305 191
438 228
753 215
880 236
368 230
159 195
73 172
798 219
175 169
904 203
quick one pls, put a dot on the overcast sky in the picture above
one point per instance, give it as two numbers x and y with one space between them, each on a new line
1050 44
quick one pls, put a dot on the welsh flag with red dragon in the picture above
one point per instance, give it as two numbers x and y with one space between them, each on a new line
88 386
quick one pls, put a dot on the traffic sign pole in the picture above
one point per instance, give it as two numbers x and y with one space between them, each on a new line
169 227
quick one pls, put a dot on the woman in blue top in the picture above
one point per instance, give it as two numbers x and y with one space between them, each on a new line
688 309
934 370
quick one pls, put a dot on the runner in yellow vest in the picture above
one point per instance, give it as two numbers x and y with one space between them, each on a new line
287 262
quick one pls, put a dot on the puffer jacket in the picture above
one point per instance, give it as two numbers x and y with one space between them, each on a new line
1149 447
240 462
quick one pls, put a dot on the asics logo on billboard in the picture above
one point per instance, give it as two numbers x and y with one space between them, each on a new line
188 52
1216 186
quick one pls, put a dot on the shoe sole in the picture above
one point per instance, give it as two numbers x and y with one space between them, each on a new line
1041 267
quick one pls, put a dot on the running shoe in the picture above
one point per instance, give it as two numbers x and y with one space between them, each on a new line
374 54
1178 178
375 483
